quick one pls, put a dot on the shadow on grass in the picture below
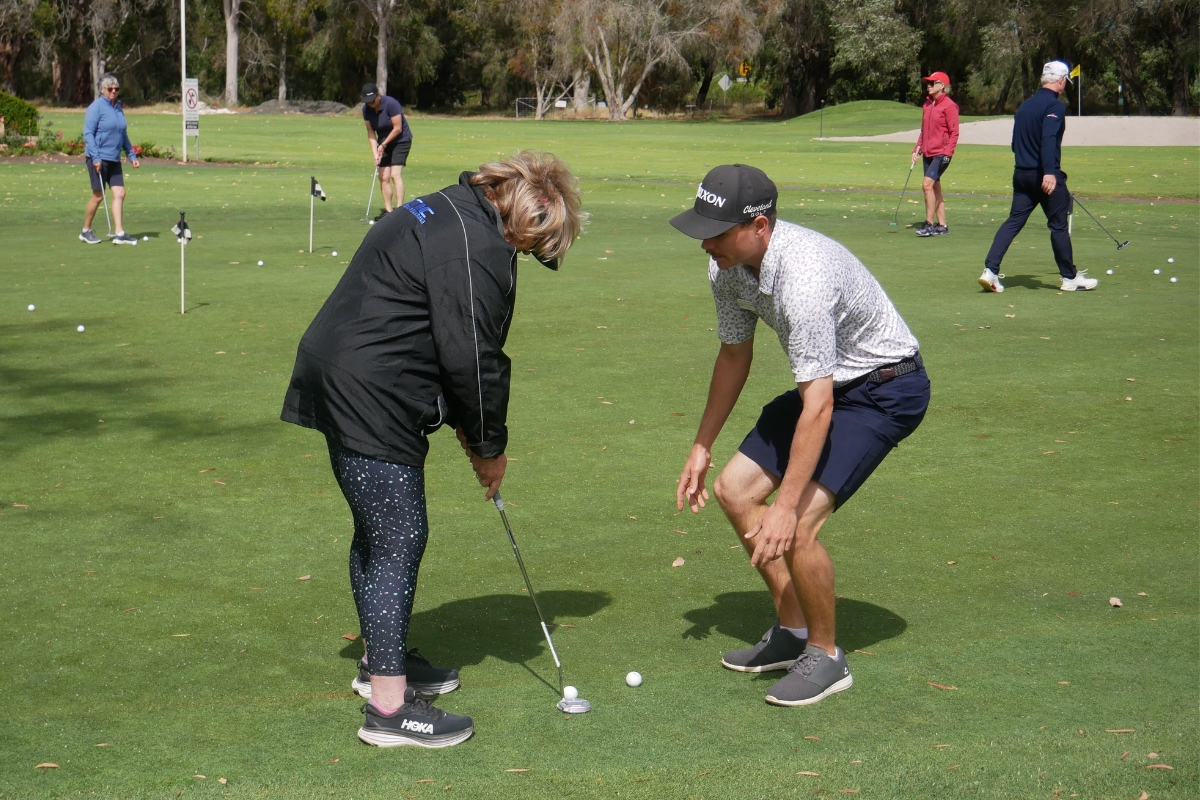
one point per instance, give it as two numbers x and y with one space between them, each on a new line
503 626
1027 282
747 615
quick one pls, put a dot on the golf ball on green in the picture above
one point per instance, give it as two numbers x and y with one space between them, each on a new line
260 263
634 679
145 238
1157 271
335 252
1174 280
1170 261
32 307
80 329
570 693
1110 272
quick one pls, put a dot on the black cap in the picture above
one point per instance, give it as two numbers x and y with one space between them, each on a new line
729 195
369 92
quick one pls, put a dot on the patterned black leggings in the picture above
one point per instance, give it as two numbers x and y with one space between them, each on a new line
390 533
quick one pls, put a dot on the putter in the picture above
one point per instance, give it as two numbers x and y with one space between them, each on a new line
107 218
371 196
1120 245
578 705
896 217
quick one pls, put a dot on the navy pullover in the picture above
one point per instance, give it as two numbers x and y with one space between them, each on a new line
1038 132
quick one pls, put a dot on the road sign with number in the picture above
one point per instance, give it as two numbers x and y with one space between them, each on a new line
191 106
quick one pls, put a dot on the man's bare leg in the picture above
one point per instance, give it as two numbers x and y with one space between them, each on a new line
812 569
742 489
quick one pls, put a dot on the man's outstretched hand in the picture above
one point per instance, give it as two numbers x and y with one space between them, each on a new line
691 488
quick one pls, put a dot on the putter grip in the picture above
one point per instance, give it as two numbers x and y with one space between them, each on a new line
498 501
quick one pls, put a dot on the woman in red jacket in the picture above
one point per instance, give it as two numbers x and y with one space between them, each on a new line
939 136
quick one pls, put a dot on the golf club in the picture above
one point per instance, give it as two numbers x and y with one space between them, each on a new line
896 216
107 218
1120 245
574 706
371 196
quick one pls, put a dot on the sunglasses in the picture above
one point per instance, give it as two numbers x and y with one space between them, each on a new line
113 89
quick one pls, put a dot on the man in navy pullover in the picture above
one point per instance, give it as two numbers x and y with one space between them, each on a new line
1039 180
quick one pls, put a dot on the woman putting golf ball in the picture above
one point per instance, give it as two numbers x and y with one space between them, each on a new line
410 340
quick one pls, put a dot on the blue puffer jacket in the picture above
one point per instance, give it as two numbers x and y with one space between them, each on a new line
105 131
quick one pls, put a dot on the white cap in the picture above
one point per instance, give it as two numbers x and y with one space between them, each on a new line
1056 70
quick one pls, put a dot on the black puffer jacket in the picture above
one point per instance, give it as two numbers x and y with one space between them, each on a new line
412 336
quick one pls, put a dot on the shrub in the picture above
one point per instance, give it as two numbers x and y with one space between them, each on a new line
149 149
19 116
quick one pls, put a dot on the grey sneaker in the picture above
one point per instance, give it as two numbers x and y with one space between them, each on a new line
813 677
425 679
940 230
88 236
926 229
414 723
777 649
124 238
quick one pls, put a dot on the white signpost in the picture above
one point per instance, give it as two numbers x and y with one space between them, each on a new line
191 114
724 83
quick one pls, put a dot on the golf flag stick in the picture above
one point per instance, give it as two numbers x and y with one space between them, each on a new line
529 586
896 216
314 191
183 234
371 196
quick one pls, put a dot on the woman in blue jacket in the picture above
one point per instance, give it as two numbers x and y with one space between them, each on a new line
105 134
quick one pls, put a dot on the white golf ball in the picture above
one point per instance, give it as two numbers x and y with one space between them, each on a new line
134 242
335 252
372 222
145 238
32 307
1157 271
1110 272
634 679
80 329
1174 280
1170 261
570 693
260 263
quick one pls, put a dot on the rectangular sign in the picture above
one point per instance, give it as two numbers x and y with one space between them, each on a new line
191 106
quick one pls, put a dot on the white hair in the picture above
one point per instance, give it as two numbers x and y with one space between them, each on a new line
108 79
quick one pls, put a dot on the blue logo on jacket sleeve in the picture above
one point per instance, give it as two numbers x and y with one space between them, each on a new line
419 209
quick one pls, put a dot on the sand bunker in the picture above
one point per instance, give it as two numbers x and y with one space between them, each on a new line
1081 132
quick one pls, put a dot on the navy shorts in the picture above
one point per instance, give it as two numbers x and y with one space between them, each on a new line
868 421
936 166
395 154
110 173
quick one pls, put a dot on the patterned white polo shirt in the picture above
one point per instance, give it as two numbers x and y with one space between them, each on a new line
831 315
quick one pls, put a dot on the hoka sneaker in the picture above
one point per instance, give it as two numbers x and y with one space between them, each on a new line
813 677
991 281
88 236
124 238
1080 283
940 230
425 679
926 229
414 723
777 649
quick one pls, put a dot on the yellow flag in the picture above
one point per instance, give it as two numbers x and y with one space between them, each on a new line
1075 72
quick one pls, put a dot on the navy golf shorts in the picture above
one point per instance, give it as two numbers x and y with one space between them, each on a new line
110 173
936 166
868 421
395 154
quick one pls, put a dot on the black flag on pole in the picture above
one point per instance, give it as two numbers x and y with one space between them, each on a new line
316 190
183 233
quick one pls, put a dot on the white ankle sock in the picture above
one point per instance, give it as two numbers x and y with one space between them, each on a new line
799 633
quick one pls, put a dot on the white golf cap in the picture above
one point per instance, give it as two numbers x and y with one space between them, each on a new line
1056 70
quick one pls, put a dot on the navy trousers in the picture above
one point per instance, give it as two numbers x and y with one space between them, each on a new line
1027 195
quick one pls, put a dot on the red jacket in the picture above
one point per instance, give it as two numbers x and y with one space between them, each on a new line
939 127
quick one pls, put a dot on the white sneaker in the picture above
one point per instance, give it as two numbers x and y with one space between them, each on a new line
1080 283
991 281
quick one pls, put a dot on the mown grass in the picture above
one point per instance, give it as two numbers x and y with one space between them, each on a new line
152 605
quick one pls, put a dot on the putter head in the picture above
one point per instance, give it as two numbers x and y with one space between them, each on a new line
576 706
1123 245
893 224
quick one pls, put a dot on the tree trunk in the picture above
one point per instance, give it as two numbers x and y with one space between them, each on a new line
283 71
97 71
10 52
1002 100
1180 107
56 79
232 9
381 66
710 67
583 83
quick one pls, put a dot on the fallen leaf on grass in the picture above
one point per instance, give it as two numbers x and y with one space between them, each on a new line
1050 453
1158 766
222 781
813 738
1011 316
1145 795
940 746
856 761
352 637
1064 619
19 505
679 562
256 588
848 791
1073 594
523 769
210 469
809 773
1142 594
951 563
865 652
102 744
304 578
943 688
565 625
334 760
1119 730
427 780
1064 683
1131 380
126 611
179 635
46 765
706 772
219 483
1151 756
201 777
1115 602
953 766
679 531
219 353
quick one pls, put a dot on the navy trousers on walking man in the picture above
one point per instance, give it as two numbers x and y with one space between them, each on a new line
1027 195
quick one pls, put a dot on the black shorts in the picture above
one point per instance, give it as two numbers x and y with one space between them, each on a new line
110 173
868 421
396 154
936 166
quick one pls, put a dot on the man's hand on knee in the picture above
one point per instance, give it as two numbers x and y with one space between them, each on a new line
774 534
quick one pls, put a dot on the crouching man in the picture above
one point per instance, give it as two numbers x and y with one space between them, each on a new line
860 389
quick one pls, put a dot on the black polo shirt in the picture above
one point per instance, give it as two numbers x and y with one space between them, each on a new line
1038 131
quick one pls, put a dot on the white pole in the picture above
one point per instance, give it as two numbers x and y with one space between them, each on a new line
183 70
1080 112
182 309
311 200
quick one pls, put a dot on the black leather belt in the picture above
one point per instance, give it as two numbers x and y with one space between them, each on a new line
885 374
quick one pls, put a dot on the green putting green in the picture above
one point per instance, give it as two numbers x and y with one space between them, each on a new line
173 575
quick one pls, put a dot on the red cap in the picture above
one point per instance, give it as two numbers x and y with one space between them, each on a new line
941 77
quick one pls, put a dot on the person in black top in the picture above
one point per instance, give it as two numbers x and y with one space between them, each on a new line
1039 180
390 139
412 339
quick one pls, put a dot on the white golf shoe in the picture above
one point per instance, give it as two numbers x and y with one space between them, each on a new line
991 281
1080 283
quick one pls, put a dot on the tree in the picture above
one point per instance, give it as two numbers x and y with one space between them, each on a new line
732 34
796 54
542 56
876 47
381 13
232 9
623 40
16 25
